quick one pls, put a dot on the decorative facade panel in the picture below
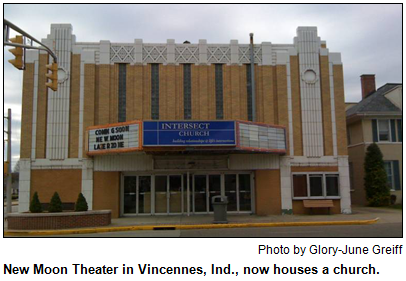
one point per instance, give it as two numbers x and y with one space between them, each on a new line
187 54
156 53
219 54
122 53
244 53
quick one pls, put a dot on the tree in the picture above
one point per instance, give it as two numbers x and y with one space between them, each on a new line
35 204
375 180
17 167
81 204
55 205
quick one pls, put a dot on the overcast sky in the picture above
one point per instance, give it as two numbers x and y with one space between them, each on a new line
369 37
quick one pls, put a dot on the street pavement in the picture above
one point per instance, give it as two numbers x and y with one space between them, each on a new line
373 230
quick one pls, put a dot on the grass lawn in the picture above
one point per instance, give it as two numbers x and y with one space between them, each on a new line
397 206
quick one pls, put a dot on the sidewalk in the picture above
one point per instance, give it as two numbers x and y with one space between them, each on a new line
360 215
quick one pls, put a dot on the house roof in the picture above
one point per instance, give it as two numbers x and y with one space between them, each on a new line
376 102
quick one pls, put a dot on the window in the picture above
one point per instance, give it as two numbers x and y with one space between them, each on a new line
400 133
219 91
300 185
249 93
122 70
392 172
383 130
187 92
155 91
389 174
332 185
315 185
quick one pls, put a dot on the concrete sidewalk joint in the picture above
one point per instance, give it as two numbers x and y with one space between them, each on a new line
181 227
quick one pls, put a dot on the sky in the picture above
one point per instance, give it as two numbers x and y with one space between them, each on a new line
368 36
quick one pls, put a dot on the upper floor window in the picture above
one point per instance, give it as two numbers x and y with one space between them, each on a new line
387 130
122 88
249 93
155 91
187 92
383 130
219 91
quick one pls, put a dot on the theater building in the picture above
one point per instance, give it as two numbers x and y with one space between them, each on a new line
159 129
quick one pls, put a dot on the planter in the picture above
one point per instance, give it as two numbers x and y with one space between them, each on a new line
64 220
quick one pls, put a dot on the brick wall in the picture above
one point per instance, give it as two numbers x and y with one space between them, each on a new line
58 221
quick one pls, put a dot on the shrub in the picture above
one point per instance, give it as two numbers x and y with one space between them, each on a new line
35 204
81 204
375 180
55 205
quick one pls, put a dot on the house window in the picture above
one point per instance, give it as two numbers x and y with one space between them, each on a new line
393 172
389 174
400 133
187 92
122 71
383 130
315 185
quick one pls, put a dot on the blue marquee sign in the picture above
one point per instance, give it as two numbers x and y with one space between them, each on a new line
189 133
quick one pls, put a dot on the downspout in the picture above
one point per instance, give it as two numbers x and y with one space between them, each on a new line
252 78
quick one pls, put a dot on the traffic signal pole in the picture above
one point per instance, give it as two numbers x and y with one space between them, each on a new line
23 42
8 187
8 25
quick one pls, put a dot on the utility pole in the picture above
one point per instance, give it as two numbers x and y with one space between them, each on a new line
8 187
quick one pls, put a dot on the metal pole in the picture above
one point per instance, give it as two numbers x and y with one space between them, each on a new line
8 190
252 78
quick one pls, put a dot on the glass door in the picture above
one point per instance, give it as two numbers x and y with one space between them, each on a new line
161 196
214 188
244 188
230 190
130 195
175 194
200 194
144 194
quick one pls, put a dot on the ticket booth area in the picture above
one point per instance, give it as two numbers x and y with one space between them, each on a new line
185 193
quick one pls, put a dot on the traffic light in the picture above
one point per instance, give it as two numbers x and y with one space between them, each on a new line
52 76
17 52
5 172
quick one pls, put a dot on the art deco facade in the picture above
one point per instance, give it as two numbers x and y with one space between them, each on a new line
296 149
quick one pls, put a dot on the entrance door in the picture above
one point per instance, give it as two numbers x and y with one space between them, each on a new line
200 194
130 195
144 194
230 190
214 188
244 187
161 198
137 195
175 194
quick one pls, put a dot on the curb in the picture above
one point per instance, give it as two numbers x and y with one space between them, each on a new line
181 227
